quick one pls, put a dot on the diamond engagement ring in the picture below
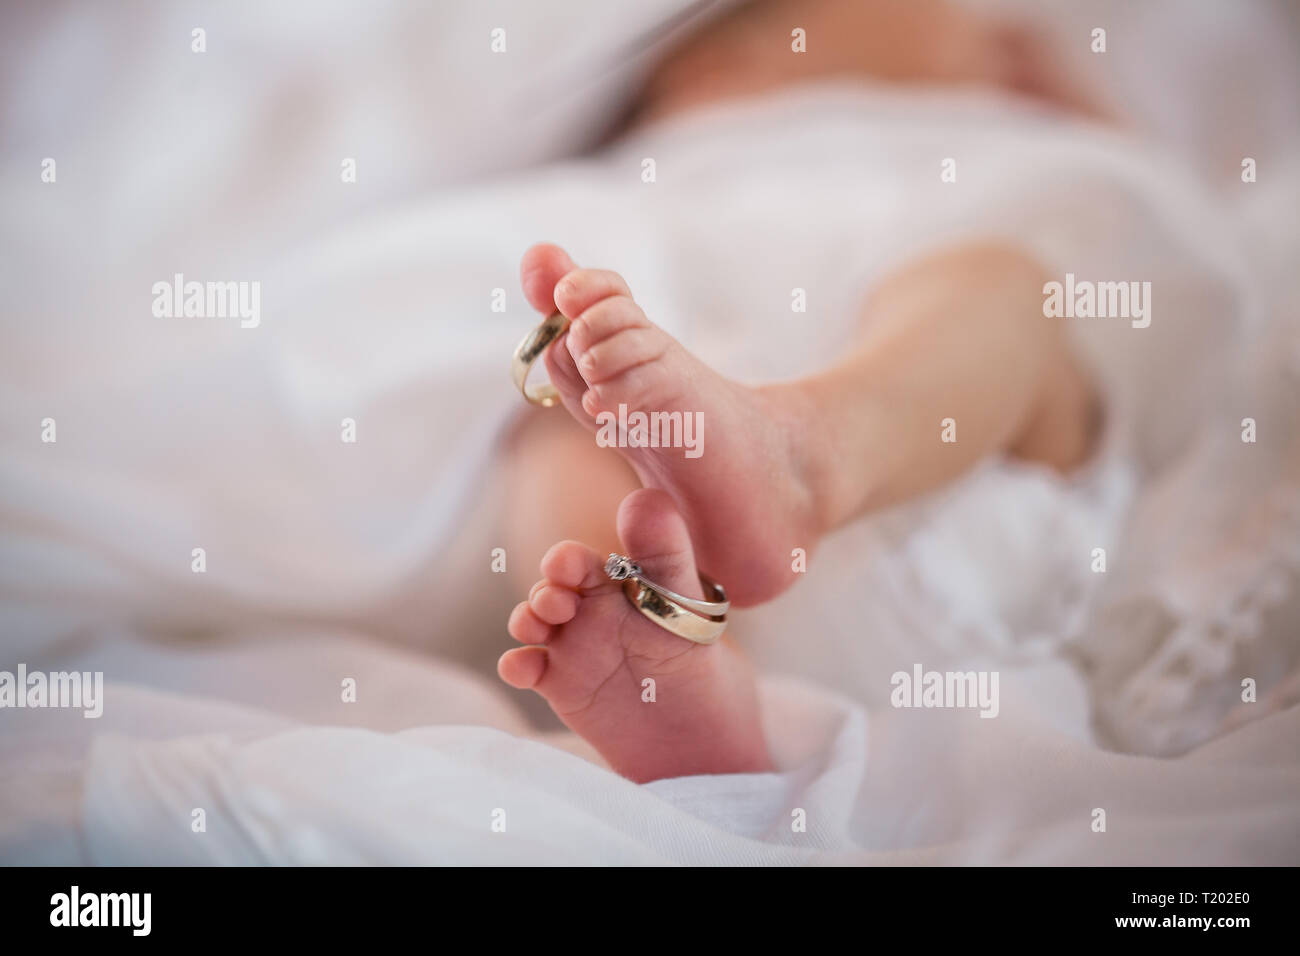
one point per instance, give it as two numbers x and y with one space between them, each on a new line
700 621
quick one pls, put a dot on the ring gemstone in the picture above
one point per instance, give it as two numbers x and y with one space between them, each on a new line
619 567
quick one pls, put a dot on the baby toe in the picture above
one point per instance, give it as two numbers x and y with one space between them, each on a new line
563 370
654 531
523 667
572 565
580 289
612 357
526 627
652 385
554 605
604 319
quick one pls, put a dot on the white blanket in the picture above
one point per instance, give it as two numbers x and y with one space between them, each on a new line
176 434
466 785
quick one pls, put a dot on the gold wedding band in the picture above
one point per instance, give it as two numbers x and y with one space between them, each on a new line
671 616
529 350
701 621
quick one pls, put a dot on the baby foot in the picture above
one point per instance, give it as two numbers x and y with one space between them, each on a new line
747 496
653 704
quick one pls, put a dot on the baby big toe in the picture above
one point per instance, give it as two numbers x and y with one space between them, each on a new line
655 535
